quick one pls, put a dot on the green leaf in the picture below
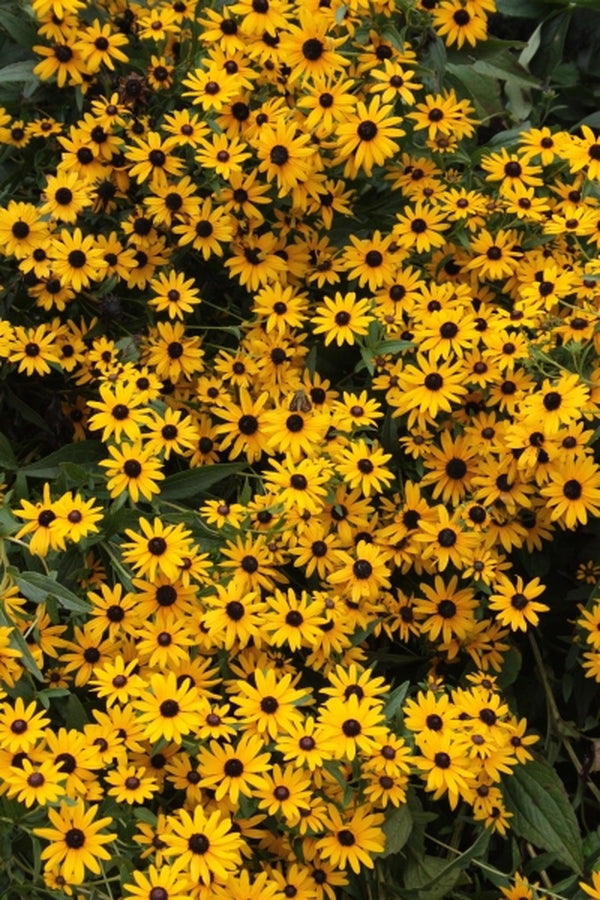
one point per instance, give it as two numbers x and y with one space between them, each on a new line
397 829
7 456
37 587
76 715
483 90
145 815
393 347
18 642
524 9
435 877
21 28
542 814
8 523
395 700
18 71
506 69
195 481
50 466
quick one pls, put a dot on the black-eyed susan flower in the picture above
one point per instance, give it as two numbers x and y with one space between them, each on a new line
22 229
116 681
445 767
34 349
63 60
206 230
342 318
21 727
163 643
447 540
162 882
293 620
161 548
352 839
427 388
352 725
515 603
133 468
459 24
269 706
153 160
255 261
120 412
285 791
171 432
583 153
173 353
368 137
171 202
204 844
363 574
38 784
443 115
363 466
168 710
99 45
46 530
573 491
76 840
130 784
446 611
234 769
285 156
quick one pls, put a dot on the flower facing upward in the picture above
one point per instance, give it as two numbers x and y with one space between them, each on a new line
119 411
161 548
352 839
169 711
76 841
204 845
234 769
445 768
368 137
342 318
133 468
285 157
270 707
515 604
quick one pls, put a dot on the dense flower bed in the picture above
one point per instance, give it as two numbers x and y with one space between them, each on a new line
300 389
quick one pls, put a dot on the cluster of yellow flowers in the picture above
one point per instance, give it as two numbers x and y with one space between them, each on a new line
263 254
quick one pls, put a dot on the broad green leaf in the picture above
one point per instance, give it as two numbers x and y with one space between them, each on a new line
393 346
506 69
19 643
145 815
18 71
483 89
7 456
76 715
8 524
395 700
435 877
195 481
397 829
21 28
87 452
542 814
36 587
525 9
